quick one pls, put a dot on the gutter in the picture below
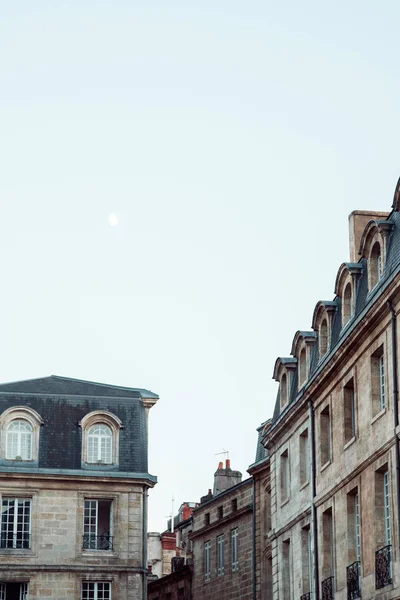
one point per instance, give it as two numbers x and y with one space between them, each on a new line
313 495
395 406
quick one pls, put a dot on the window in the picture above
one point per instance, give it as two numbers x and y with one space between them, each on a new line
287 571
206 518
220 512
15 523
96 590
100 444
207 561
383 530
304 458
306 562
325 426
378 386
220 555
375 265
386 497
234 541
283 391
353 527
323 338
347 309
97 534
19 440
302 367
234 505
14 590
328 554
349 411
285 476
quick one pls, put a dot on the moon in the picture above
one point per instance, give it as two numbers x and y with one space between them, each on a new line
112 220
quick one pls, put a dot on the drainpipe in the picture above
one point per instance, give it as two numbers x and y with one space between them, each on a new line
313 494
253 520
144 530
395 408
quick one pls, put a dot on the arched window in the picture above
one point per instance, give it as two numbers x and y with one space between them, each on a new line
283 391
323 338
19 440
347 307
302 367
375 265
100 442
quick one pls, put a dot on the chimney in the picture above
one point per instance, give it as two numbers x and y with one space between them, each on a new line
225 478
357 222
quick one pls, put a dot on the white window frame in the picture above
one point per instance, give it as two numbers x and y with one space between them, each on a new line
207 560
19 440
220 554
235 548
91 513
382 390
11 528
102 444
96 590
357 526
386 495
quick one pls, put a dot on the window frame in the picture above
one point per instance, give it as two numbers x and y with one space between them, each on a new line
220 555
26 530
96 590
207 560
235 549
101 418
20 413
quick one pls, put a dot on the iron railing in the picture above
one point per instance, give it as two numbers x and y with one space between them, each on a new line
17 540
383 567
353 581
327 588
306 596
97 542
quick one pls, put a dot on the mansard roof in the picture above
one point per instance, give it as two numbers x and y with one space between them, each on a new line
371 228
322 306
55 385
287 361
308 336
344 270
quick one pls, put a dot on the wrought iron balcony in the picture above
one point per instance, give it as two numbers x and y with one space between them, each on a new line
383 567
17 540
327 588
306 596
97 542
353 581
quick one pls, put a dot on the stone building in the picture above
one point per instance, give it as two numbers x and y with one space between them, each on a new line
333 442
73 486
223 539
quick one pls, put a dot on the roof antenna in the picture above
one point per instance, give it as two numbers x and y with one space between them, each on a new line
226 452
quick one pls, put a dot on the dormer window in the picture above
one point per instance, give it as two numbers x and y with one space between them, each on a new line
375 265
323 338
302 367
100 438
347 309
19 440
284 391
20 429
100 444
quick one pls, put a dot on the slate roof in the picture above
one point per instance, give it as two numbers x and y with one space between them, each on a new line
66 386
364 300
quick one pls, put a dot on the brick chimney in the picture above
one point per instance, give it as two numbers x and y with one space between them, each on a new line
225 478
357 222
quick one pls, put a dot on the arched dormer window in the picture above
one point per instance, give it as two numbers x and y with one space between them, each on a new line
375 265
20 428
302 367
283 390
100 438
19 440
347 310
323 338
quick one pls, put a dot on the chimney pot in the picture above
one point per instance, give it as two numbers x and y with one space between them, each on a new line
228 463
220 465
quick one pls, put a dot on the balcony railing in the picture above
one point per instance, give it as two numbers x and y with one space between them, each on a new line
327 588
383 567
97 542
17 540
306 596
353 581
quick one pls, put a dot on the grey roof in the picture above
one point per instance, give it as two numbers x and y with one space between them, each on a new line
66 386
364 299
261 452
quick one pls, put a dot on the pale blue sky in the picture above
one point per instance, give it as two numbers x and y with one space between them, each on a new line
232 139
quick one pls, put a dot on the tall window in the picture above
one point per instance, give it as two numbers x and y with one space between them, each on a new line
285 486
325 427
283 391
302 367
96 590
323 338
19 440
328 553
378 384
349 411
347 308
234 542
388 532
306 562
100 444
97 534
15 523
287 574
207 561
383 532
304 457
375 265
353 527
220 555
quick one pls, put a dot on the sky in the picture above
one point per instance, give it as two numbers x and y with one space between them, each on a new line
232 140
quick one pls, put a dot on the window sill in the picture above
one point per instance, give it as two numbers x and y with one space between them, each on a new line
17 551
378 415
349 443
99 553
284 502
304 485
326 465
